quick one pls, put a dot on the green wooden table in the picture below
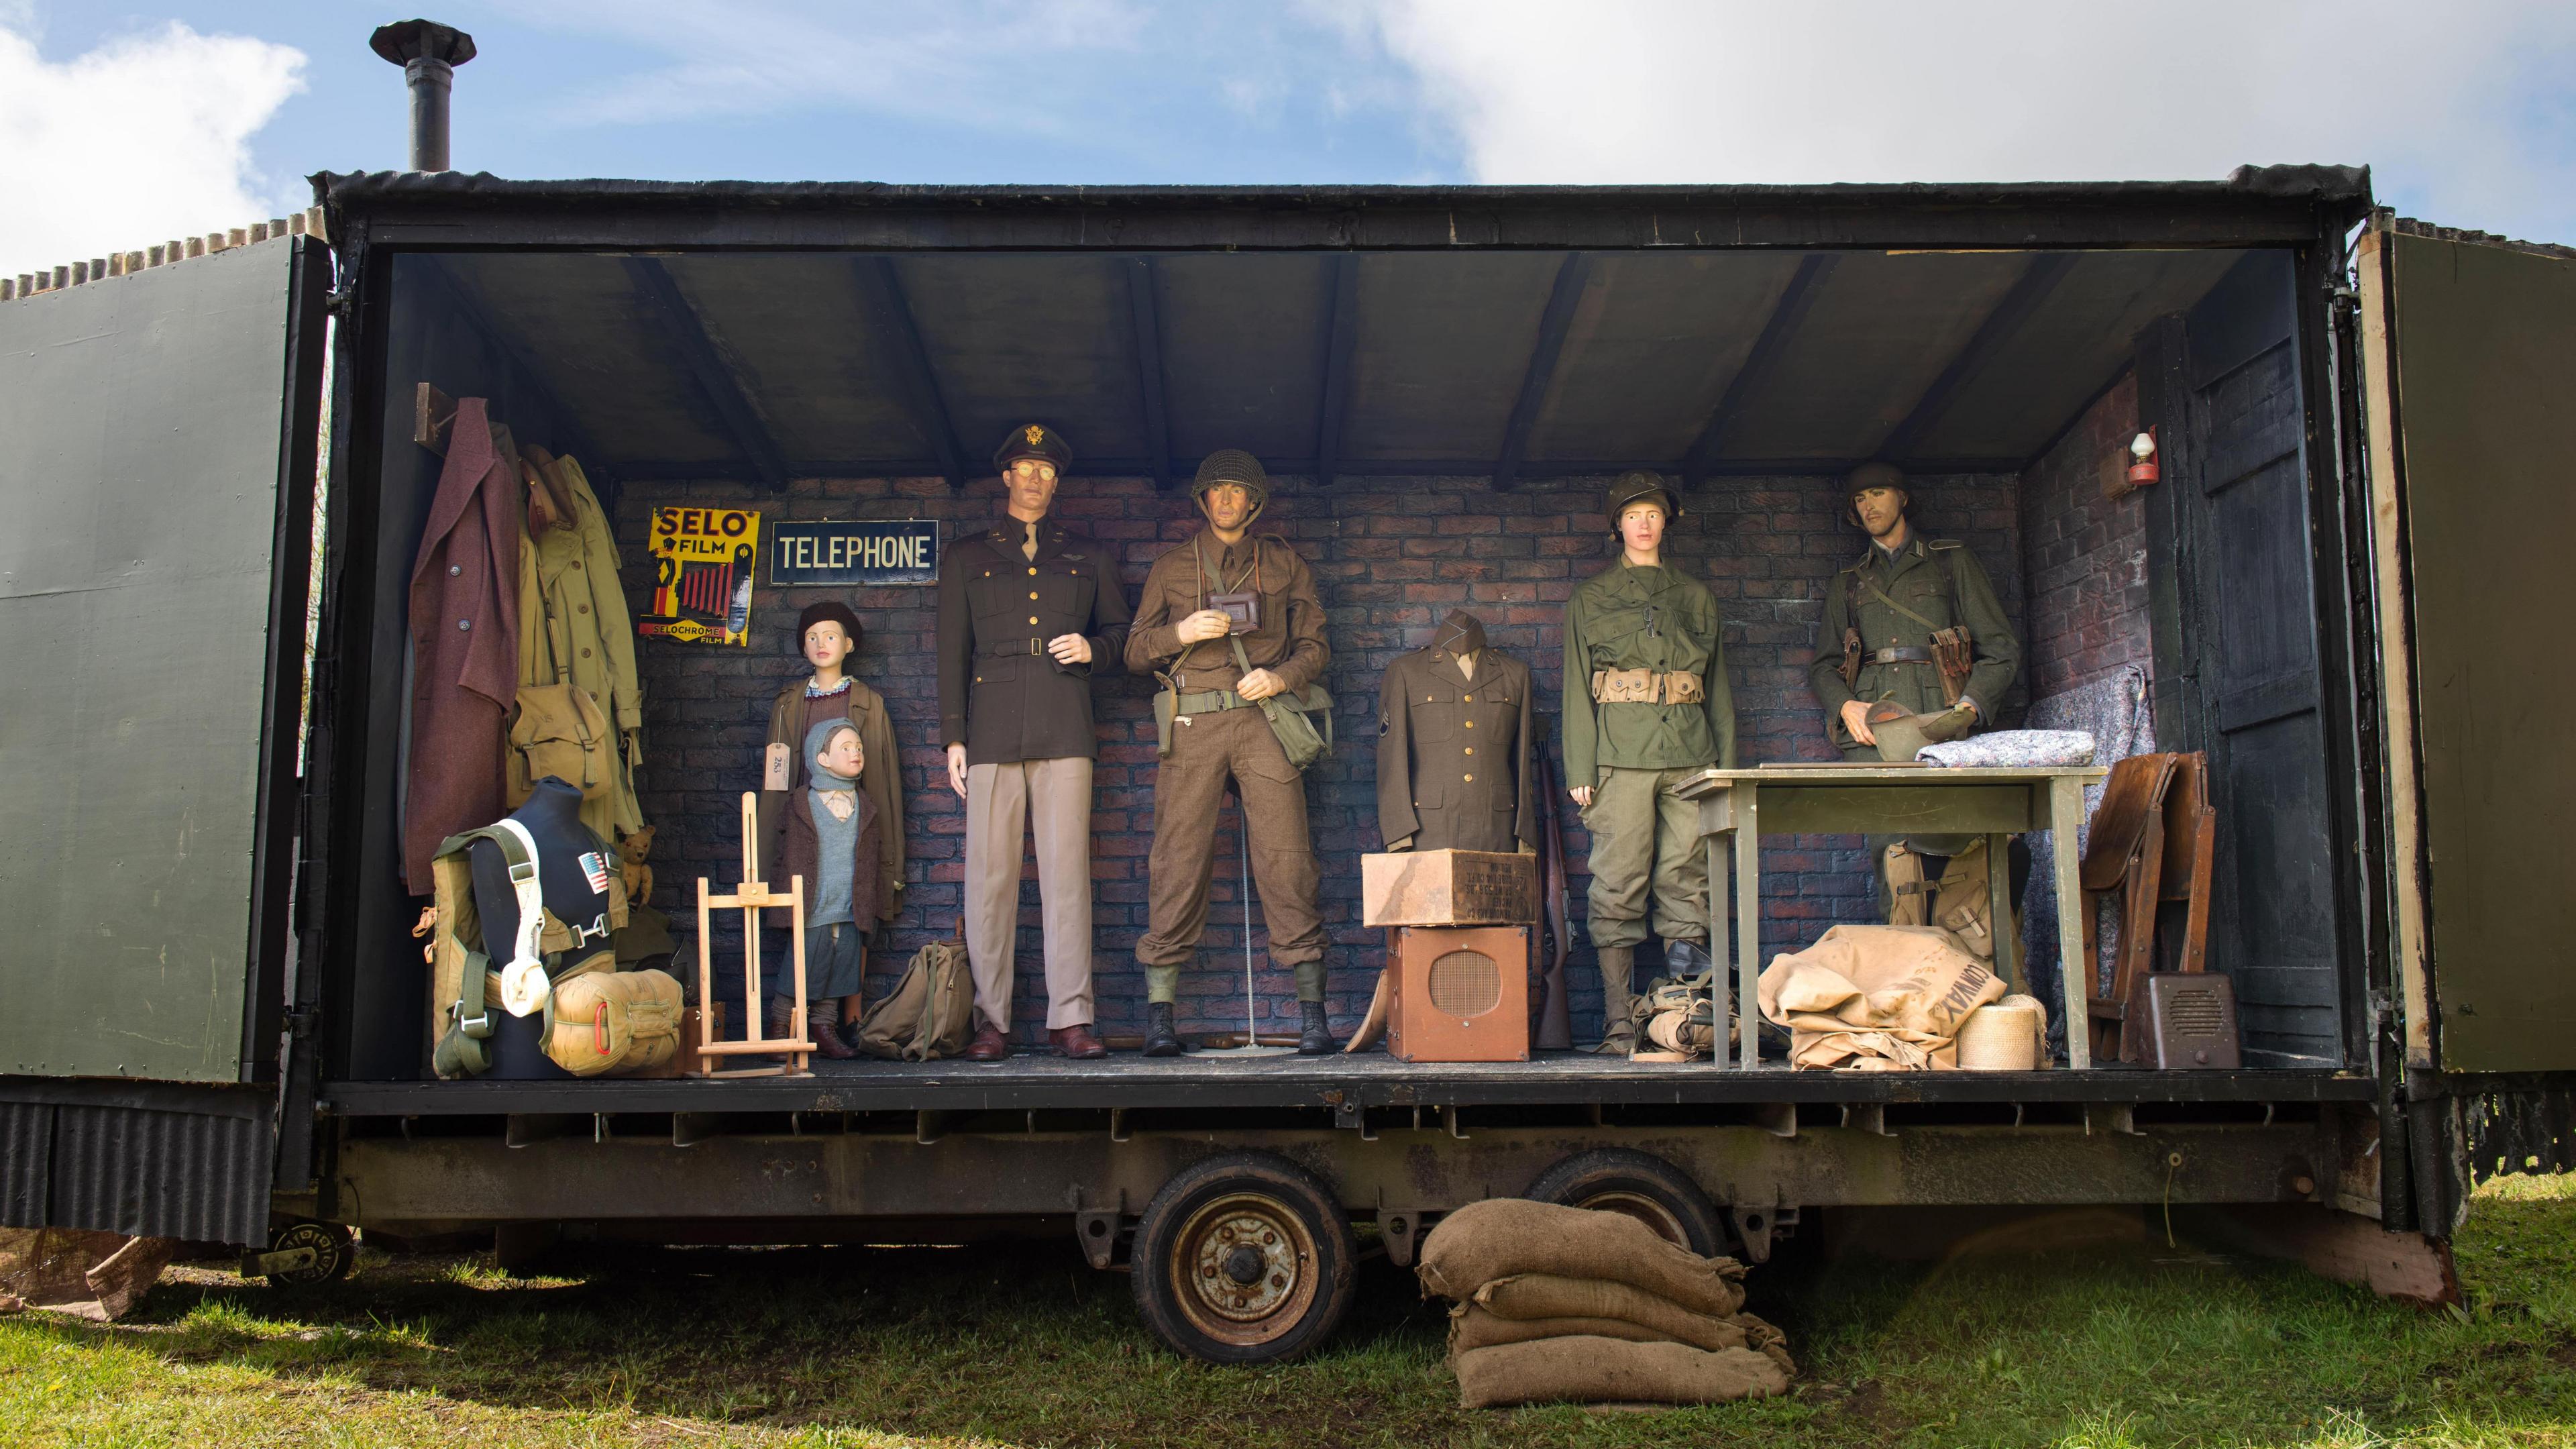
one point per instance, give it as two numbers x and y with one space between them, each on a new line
1887 799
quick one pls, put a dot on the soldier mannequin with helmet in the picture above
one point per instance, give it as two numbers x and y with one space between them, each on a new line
1028 610
1914 648
1229 619
1647 705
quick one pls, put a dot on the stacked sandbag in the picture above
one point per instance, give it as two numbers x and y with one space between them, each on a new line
1557 1303
1877 998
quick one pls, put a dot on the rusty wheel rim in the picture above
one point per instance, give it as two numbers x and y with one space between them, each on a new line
1667 1224
1245 1269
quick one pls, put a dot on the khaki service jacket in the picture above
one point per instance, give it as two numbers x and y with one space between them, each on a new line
1289 638
1453 753
1644 618
1001 694
1938 579
574 629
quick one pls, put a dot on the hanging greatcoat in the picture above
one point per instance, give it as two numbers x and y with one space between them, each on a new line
574 629
464 621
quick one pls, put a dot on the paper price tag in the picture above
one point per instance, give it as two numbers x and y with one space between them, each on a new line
776 774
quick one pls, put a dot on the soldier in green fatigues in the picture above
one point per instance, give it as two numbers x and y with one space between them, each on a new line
1877 645
1646 706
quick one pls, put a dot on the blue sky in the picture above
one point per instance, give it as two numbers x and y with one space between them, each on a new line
122 122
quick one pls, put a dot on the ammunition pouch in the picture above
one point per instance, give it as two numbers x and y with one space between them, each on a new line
1851 659
1647 686
1952 653
1292 717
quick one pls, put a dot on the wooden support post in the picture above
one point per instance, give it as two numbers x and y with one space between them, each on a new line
2074 968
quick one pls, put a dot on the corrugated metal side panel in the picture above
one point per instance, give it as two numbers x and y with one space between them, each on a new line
131 1158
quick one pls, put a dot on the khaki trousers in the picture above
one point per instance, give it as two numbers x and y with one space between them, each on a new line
1189 789
1645 840
1001 802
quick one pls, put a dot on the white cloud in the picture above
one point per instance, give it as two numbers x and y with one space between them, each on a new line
145 138
2451 102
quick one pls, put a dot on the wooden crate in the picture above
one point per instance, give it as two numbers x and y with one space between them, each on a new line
1448 888
1459 994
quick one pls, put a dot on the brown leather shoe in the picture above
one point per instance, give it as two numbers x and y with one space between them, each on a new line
1077 1042
988 1045
822 1024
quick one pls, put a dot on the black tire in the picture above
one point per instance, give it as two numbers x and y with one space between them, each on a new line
1641 1185
1243 1258
333 1253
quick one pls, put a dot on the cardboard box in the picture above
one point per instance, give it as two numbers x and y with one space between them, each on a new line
1448 888
1460 994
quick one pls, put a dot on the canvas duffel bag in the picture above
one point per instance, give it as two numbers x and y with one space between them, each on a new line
602 1023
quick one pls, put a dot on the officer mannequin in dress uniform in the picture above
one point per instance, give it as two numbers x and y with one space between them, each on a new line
573 869
1453 747
1029 612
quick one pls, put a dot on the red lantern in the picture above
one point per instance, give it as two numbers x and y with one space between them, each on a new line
2142 448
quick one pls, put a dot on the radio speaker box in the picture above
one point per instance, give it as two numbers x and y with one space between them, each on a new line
1448 888
1460 994
2180 1020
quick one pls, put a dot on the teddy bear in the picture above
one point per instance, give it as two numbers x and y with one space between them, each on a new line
632 869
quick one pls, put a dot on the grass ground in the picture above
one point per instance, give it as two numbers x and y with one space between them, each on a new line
2108 1347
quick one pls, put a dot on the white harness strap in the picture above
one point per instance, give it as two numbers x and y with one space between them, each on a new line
524 986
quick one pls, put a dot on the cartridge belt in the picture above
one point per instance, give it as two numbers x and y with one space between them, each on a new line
1210 701
1646 686
1901 656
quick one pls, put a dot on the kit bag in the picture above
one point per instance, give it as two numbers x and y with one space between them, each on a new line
601 1022
1292 717
559 730
930 1014
1964 904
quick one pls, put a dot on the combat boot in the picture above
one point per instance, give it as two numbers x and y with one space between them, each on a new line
1315 1034
1161 1040
1618 1032
822 1021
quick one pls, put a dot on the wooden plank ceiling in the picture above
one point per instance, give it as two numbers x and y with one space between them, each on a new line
1495 364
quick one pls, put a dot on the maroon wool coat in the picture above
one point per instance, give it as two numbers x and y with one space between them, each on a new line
464 624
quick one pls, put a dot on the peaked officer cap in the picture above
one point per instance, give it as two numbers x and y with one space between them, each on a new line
1033 440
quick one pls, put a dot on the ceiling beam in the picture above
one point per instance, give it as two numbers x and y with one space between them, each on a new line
717 376
1553 324
2006 319
1787 315
1831 469
1341 332
1144 306
892 316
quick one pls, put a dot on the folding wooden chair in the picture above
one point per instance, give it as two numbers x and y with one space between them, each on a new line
2152 842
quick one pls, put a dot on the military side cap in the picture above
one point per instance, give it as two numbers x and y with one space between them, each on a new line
1233 465
1033 440
1639 483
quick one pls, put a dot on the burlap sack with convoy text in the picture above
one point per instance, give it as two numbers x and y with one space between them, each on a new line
1876 998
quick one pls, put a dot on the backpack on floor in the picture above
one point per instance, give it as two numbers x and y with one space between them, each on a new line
930 1014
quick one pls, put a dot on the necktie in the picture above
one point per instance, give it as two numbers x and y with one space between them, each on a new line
1029 550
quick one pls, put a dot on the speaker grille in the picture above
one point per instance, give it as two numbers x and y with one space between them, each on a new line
1465 983
2195 1011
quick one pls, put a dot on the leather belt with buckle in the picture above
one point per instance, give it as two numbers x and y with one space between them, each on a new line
1901 656
1012 650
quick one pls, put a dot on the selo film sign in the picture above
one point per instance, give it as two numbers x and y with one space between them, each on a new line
703 563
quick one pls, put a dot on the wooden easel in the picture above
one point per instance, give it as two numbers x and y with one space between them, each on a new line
749 897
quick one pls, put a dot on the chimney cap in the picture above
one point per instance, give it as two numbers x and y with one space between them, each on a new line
405 41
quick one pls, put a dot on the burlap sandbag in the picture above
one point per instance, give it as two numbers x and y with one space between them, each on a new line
1473 1326
1503 1236
1545 1295
1595 1370
1882 998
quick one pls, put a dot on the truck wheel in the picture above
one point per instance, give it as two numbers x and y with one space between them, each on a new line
331 1249
1640 1185
1243 1258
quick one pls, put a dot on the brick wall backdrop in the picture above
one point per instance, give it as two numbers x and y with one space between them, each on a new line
2085 555
1390 558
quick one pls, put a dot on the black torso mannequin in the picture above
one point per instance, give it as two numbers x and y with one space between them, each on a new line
574 889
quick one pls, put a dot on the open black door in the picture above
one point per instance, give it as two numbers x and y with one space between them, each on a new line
159 474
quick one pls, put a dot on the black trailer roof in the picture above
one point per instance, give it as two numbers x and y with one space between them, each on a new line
1449 330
